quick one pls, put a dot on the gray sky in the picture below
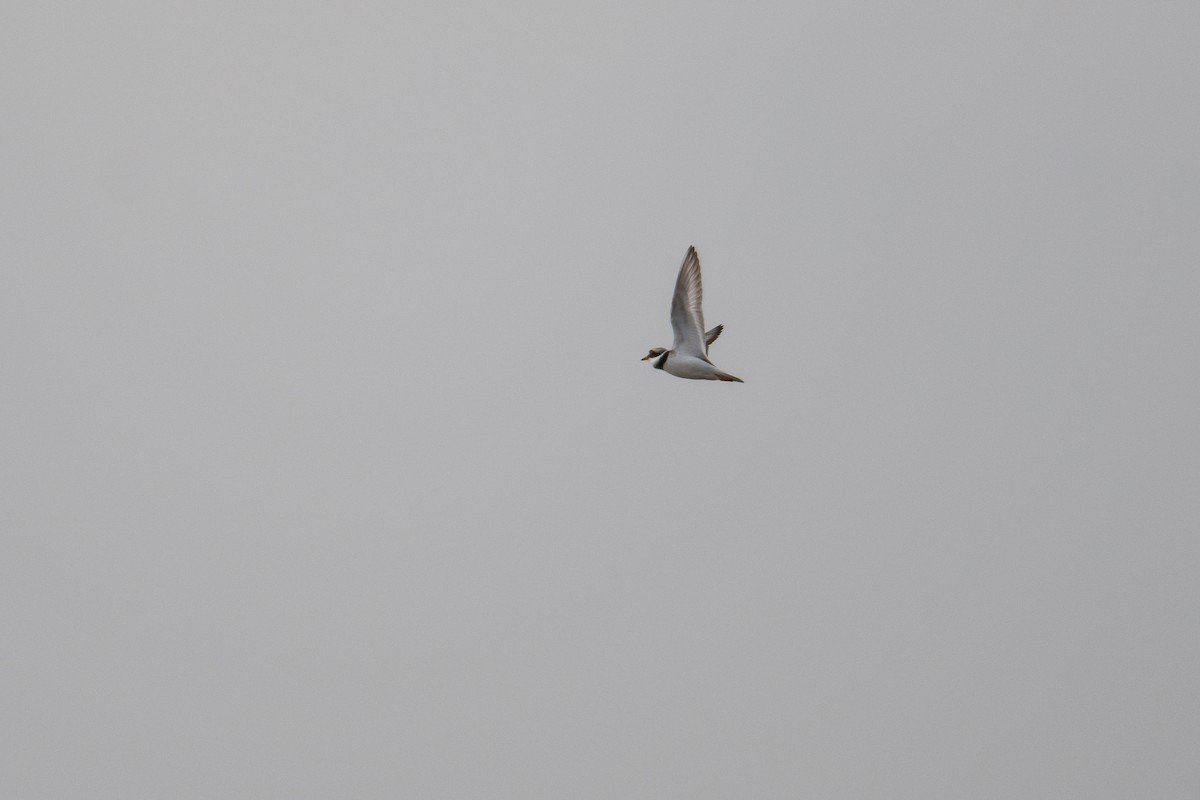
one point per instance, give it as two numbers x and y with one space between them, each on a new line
330 468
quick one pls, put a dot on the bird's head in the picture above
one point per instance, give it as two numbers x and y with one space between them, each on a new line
655 352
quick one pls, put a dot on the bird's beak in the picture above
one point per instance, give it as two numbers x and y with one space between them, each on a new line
647 358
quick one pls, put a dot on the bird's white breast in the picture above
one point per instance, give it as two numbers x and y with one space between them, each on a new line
682 366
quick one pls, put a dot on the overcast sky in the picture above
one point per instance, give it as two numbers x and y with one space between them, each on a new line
329 467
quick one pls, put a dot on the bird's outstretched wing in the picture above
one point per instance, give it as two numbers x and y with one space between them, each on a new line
711 336
687 308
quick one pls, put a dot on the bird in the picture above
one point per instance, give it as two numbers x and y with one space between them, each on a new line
688 356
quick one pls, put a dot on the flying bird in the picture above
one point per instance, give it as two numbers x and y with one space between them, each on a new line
688 356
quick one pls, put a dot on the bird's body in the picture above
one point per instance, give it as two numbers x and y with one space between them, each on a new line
688 356
685 366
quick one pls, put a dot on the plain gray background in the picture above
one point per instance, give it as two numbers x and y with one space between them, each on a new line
330 468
